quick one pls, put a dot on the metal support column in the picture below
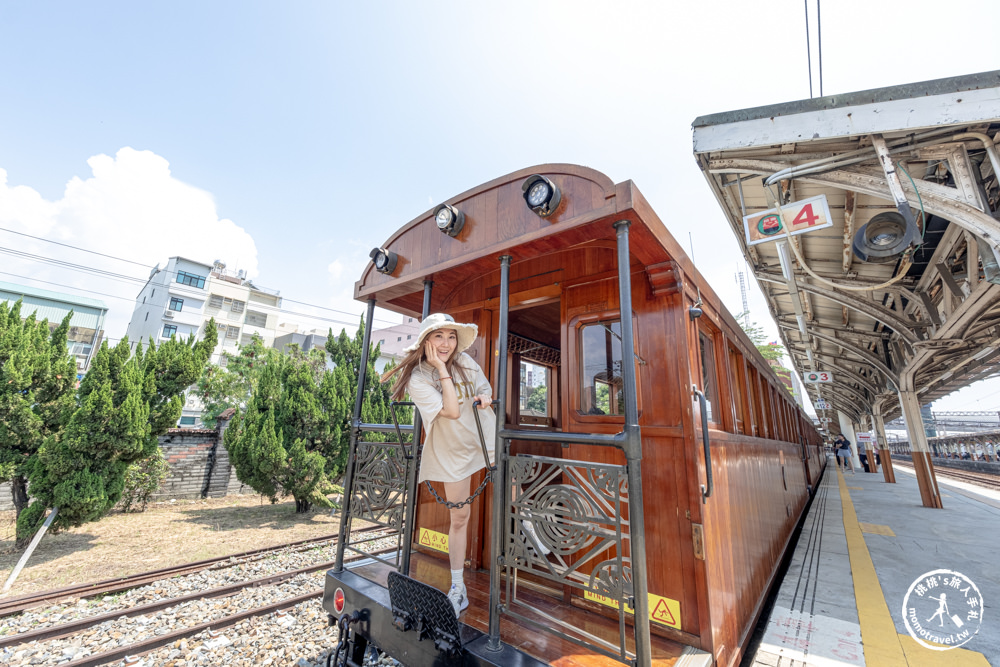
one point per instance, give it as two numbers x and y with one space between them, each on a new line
413 490
922 466
633 452
883 446
345 505
500 490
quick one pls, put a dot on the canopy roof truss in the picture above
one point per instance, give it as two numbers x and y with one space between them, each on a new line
931 146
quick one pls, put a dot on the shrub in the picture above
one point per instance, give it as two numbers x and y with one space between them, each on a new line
142 480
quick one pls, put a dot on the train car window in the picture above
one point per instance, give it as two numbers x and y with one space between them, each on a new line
709 377
601 382
768 404
535 397
739 383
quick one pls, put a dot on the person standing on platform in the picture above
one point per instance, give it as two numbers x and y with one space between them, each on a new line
845 454
836 448
445 384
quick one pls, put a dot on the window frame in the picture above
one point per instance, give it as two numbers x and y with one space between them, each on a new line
710 334
164 334
575 379
191 279
176 301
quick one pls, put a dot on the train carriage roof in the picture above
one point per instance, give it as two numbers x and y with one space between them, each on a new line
498 222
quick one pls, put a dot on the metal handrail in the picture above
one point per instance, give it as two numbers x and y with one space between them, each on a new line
617 440
703 403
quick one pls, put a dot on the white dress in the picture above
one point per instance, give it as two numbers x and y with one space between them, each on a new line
452 450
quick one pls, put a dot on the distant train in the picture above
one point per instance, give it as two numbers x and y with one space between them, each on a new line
662 462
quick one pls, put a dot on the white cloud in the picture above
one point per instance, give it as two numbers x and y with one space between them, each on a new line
131 207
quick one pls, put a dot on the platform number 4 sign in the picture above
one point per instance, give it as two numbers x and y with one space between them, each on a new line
801 216
822 376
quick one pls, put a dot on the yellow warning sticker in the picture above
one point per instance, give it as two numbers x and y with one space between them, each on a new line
433 540
661 610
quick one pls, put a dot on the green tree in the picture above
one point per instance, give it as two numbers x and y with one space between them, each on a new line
37 377
770 351
538 400
82 470
221 388
124 402
345 352
277 444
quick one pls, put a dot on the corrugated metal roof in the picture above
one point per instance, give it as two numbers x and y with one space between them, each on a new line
53 306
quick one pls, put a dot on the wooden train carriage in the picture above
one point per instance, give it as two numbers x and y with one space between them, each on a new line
725 458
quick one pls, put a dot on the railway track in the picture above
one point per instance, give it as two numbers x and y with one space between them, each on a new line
80 627
22 603
983 479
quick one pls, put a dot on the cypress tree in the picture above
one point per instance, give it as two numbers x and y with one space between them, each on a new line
277 445
37 377
345 351
82 472
123 404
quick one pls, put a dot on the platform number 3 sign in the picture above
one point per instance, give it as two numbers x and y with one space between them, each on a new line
818 377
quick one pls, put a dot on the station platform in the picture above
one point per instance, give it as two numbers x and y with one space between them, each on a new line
867 551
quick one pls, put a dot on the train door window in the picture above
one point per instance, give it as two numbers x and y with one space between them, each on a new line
709 377
601 382
535 396
739 383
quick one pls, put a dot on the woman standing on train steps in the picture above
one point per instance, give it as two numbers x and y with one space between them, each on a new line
444 383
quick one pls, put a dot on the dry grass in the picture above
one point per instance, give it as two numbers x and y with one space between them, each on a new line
168 533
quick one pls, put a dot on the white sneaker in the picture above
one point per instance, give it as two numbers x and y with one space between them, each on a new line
459 600
529 529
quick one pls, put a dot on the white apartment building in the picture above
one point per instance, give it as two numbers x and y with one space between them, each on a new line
181 298
393 340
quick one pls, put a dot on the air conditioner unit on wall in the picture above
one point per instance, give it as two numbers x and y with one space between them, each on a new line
168 314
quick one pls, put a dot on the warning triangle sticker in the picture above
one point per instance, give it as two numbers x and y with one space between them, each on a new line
425 538
662 613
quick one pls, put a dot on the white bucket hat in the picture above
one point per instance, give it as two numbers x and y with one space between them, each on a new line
466 332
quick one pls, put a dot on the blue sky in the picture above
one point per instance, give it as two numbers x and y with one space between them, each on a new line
290 138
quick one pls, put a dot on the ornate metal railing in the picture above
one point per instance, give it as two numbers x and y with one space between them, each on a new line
579 536
379 491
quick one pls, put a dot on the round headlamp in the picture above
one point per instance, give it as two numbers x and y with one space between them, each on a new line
541 195
449 219
384 260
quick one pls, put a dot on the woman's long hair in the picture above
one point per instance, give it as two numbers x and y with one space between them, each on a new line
405 369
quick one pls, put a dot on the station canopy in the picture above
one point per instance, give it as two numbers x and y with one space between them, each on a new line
870 221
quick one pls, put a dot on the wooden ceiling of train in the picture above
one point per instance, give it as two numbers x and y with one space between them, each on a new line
935 330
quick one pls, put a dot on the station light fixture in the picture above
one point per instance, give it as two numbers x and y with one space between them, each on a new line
541 195
449 219
385 260
885 237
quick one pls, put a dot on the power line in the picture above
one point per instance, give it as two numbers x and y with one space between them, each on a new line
79 289
66 245
132 279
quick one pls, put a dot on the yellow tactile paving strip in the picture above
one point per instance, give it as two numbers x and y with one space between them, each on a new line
883 646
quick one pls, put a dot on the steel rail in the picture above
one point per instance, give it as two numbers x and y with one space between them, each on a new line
64 629
983 479
22 603
154 643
